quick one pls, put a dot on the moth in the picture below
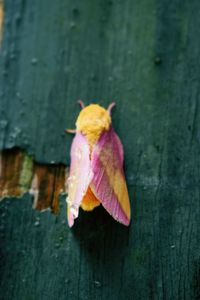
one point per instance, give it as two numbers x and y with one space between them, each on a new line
96 170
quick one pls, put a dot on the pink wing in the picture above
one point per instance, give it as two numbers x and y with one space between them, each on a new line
108 182
80 175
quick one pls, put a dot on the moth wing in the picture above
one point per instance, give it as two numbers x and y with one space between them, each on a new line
80 175
108 182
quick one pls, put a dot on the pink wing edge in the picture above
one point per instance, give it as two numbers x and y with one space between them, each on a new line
100 181
80 175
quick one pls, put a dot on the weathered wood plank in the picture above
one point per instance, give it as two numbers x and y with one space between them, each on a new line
145 56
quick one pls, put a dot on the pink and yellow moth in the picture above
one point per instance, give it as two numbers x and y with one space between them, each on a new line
96 171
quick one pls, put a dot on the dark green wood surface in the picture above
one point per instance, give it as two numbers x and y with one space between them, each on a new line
145 56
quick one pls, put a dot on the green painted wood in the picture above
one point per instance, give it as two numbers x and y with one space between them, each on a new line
145 56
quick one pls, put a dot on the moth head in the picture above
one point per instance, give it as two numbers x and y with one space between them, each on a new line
92 121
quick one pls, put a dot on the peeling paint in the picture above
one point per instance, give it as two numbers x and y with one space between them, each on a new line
20 174
1 20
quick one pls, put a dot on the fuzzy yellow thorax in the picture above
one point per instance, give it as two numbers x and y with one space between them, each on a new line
92 121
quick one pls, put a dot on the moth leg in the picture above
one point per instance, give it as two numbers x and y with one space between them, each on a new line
81 103
110 107
70 130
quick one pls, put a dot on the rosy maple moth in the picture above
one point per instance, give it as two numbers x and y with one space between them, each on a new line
96 171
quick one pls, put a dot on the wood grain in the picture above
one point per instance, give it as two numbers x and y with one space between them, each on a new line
144 55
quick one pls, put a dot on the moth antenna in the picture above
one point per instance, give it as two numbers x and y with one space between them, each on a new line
81 103
110 107
70 130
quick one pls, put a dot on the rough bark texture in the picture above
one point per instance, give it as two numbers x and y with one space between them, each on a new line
145 56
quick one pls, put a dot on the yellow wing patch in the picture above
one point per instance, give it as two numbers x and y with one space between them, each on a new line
116 181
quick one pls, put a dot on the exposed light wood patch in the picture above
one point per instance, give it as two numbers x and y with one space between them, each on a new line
11 164
19 174
47 183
